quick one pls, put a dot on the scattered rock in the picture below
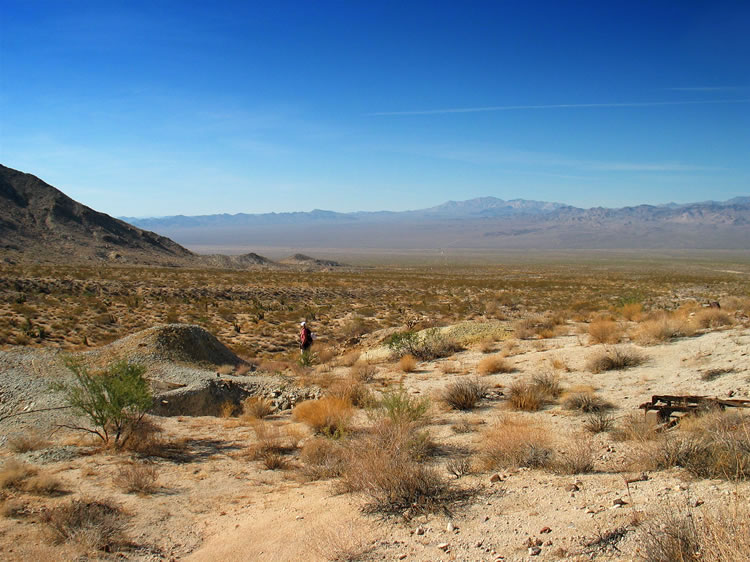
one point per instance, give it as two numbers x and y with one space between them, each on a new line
495 478
534 551
443 546
545 530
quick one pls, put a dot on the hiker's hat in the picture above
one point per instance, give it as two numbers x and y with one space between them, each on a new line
302 323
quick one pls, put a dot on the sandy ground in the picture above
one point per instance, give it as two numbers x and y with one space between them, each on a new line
216 504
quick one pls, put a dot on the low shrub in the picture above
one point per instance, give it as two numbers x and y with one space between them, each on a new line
407 363
613 359
256 408
712 318
494 364
660 328
604 330
322 458
714 445
586 402
425 346
362 371
352 391
99 524
328 415
599 422
515 442
464 394
713 535
383 466
576 459
548 383
114 401
399 407
25 442
632 311
14 473
526 397
139 478
634 427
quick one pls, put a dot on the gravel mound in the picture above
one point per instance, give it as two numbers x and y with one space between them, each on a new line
182 343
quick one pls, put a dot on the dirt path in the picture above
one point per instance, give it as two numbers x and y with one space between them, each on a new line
302 523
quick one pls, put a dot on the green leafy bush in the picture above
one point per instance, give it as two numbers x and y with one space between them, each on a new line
114 401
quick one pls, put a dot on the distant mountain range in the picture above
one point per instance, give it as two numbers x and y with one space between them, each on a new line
39 223
482 223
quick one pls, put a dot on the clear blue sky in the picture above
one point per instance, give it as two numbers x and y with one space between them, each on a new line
160 108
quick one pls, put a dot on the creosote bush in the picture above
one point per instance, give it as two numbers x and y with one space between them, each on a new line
399 407
494 364
464 394
425 346
613 359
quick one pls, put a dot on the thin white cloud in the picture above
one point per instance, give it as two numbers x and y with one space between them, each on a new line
552 106
707 89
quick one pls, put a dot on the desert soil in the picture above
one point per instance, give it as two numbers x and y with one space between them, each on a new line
214 503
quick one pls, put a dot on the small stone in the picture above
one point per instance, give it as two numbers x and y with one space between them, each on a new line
572 488
402 556
534 551
495 478
479 544
299 517
619 501
443 546
451 527
486 517
548 543
698 503
420 530
545 530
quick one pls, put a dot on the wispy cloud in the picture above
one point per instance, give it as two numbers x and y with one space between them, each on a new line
708 89
553 106
551 163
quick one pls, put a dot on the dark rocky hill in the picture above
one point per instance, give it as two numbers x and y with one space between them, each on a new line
40 223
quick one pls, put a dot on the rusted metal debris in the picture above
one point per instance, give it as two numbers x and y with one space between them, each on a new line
663 407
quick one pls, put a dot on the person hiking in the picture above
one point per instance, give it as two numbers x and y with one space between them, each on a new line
305 337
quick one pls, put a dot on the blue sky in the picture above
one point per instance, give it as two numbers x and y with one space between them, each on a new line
160 108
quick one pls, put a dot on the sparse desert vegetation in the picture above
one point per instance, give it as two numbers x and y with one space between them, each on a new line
429 414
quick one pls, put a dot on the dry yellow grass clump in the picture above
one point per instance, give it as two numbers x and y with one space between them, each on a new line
515 441
532 395
494 364
613 359
407 363
325 415
660 328
256 408
604 330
